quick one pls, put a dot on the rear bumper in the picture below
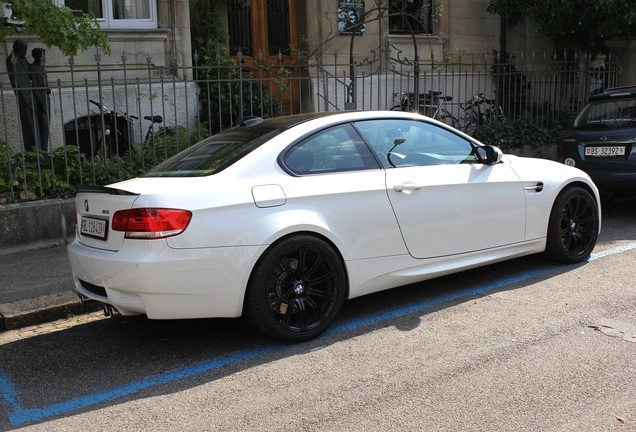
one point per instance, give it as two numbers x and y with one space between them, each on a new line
617 176
148 277
610 179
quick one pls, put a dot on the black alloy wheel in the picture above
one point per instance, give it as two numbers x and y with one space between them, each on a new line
296 290
573 227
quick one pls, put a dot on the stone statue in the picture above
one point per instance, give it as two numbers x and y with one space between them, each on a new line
41 101
18 68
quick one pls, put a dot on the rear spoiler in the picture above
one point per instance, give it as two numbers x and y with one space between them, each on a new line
105 190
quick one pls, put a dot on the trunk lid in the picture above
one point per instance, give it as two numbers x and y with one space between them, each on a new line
94 208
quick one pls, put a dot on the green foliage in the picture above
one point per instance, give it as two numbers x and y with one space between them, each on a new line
227 93
58 174
207 32
5 160
55 25
512 134
165 143
573 24
226 97
526 130
39 171
103 171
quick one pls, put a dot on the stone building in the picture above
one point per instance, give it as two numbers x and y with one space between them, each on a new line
150 40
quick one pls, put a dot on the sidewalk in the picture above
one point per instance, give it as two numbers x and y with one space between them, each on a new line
37 287
36 284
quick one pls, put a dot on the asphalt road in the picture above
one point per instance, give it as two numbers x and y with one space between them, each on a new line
46 270
520 346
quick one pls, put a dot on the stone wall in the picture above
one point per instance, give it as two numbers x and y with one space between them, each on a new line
36 224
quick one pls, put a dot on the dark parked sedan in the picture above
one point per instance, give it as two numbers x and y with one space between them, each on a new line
602 140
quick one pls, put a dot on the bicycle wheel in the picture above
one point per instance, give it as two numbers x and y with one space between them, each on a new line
446 117
468 126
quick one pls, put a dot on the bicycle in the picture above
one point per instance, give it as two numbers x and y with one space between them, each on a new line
480 111
111 132
163 131
120 124
431 104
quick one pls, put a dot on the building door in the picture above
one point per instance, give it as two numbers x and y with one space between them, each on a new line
263 37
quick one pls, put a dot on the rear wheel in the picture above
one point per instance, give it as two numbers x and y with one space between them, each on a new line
448 118
573 226
296 289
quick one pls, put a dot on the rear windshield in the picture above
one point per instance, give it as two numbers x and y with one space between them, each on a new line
216 153
608 114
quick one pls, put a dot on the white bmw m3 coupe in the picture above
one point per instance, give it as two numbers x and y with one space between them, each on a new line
282 220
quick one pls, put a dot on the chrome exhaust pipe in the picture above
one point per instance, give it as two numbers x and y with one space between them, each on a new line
106 310
109 311
84 300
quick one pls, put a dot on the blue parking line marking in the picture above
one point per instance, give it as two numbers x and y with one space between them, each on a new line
8 393
19 416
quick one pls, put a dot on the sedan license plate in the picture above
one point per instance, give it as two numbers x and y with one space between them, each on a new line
92 227
604 151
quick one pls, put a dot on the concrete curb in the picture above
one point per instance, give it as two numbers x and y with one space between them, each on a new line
25 313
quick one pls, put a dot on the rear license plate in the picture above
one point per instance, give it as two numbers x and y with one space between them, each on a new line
603 151
92 227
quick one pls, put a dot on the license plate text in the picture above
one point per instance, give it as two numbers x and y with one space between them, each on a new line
600 151
92 227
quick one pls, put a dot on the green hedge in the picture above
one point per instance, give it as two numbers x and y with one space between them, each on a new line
524 131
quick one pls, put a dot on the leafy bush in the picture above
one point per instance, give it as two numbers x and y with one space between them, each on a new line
4 167
103 171
58 174
524 131
227 92
227 95
46 173
167 143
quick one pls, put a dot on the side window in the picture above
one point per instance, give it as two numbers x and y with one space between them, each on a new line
399 143
337 149
408 16
117 14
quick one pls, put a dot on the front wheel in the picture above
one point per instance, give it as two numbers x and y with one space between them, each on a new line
296 289
573 226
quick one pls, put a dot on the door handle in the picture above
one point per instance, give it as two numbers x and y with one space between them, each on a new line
407 187
537 187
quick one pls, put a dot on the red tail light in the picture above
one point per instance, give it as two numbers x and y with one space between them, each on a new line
151 223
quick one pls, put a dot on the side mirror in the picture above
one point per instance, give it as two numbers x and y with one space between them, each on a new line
489 155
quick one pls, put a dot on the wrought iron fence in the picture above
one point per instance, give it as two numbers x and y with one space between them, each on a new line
104 124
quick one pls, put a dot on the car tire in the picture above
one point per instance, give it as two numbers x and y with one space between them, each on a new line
573 226
296 289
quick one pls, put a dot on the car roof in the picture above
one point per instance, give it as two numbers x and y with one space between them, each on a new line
262 126
613 93
284 122
258 126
